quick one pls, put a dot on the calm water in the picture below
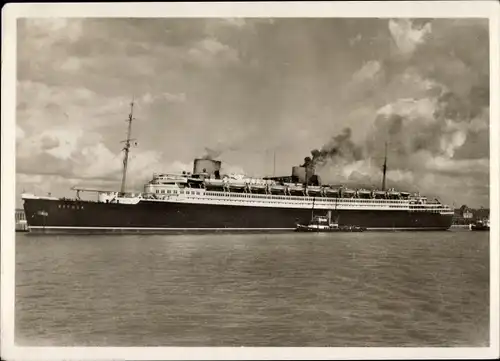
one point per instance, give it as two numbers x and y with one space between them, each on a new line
365 289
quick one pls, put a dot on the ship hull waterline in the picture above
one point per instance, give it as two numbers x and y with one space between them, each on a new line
85 217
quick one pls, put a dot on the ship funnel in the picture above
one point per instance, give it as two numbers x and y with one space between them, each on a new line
207 166
301 174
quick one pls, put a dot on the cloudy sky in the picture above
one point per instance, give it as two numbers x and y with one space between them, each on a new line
248 88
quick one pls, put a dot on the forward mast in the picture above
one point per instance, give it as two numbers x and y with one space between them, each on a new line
126 148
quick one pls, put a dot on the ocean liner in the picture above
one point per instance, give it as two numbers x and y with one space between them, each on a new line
206 200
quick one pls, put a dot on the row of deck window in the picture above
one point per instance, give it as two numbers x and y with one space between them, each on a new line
343 204
163 191
240 195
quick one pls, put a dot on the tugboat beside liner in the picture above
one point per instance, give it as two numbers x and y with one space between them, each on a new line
324 224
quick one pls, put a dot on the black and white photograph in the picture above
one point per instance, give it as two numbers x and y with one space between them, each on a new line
256 177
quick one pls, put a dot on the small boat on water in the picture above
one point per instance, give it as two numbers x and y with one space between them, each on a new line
324 224
481 225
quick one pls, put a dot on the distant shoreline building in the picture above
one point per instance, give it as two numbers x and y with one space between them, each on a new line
465 215
21 224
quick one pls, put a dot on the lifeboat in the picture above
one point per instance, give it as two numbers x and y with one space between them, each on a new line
331 192
257 187
364 193
296 189
349 193
380 194
394 194
238 185
277 189
314 190
214 183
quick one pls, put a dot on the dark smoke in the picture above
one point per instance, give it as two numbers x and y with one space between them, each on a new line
211 154
339 147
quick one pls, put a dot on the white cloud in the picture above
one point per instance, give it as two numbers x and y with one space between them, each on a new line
96 161
451 141
412 78
406 36
47 37
69 27
411 109
149 98
354 40
177 98
144 163
481 121
369 70
212 46
458 166
210 51
71 64
67 141
52 107
46 32
64 140
237 22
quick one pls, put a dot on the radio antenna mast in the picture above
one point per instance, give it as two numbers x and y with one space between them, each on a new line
274 163
126 148
384 168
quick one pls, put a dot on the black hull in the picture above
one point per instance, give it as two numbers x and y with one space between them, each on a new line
72 216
